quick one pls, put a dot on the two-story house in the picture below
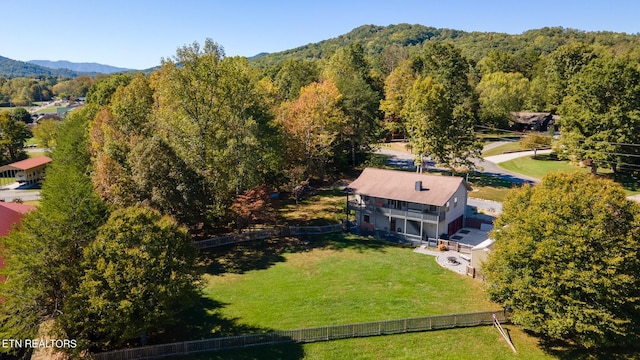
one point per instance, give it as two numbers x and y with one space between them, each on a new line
410 205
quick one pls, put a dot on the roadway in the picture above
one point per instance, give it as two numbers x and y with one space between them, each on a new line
488 166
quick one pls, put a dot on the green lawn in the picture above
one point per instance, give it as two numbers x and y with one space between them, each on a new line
33 154
343 279
489 193
492 136
49 110
324 208
346 280
7 180
508 147
489 187
543 164
31 141
396 146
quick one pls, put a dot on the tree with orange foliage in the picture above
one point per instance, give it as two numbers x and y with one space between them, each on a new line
312 123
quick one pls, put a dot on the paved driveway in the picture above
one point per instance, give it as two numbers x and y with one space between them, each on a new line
405 161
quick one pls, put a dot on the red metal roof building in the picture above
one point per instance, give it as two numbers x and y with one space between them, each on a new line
27 171
10 216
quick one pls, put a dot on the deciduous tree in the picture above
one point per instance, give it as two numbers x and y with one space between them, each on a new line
349 70
139 273
600 113
433 128
293 75
566 260
43 259
45 133
211 111
535 142
500 94
13 134
313 122
396 86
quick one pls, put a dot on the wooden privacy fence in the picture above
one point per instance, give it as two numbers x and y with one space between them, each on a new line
325 333
266 234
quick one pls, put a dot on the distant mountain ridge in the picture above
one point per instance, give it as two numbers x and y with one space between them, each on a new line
473 45
10 68
80 67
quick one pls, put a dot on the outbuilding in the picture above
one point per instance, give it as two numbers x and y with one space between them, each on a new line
26 172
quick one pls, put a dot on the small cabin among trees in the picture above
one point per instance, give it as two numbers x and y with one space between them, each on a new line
537 121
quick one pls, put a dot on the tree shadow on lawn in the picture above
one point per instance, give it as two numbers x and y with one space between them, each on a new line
565 350
262 254
493 180
268 352
202 319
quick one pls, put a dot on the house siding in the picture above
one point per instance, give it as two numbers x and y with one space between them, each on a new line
408 219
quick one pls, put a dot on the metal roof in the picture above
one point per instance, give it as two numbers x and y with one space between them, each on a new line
401 185
27 164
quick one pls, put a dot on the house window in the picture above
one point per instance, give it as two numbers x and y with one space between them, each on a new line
455 202
447 206
366 219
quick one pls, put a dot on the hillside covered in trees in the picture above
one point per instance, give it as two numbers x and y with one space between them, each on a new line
473 45
13 68
197 147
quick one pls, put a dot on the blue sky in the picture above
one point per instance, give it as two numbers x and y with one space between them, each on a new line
137 34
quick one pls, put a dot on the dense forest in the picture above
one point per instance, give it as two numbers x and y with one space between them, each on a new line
473 45
197 147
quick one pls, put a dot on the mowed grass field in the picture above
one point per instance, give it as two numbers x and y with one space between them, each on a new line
342 279
543 164
508 147
539 166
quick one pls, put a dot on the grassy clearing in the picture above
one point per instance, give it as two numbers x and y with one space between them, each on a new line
490 137
33 154
49 110
539 166
323 208
489 187
343 279
543 164
7 180
396 146
489 193
509 147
